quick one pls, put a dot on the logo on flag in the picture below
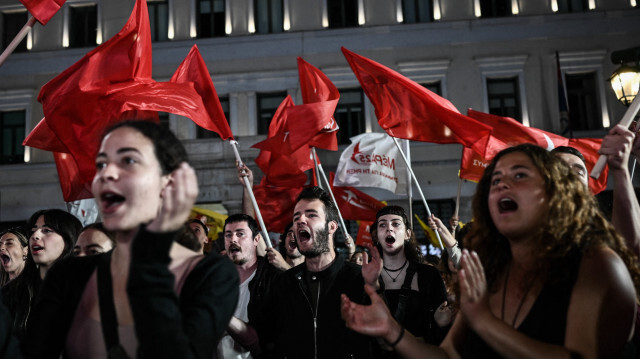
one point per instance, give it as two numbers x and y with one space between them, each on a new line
371 161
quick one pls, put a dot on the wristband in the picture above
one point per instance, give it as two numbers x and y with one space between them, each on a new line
393 345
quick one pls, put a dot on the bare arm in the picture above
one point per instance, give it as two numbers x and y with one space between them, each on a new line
244 334
617 145
448 239
247 206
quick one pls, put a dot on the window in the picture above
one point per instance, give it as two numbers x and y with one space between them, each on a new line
504 98
584 112
442 209
268 16
83 25
12 22
202 133
350 115
211 18
416 11
159 20
435 87
267 105
572 5
163 120
342 13
13 133
495 8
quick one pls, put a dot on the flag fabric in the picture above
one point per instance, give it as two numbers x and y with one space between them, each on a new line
354 204
43 10
405 109
214 220
508 132
433 239
276 205
364 233
316 88
113 83
85 210
372 160
281 169
194 70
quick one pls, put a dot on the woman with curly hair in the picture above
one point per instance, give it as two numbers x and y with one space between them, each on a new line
413 290
547 275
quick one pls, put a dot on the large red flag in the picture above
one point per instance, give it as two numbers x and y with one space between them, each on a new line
194 70
355 205
316 88
408 110
43 10
364 233
276 205
508 132
280 169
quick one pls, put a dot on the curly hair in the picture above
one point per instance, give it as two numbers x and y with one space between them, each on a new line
411 250
572 224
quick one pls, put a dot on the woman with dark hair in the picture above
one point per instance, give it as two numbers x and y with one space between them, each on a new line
14 247
150 296
547 276
53 234
94 239
413 290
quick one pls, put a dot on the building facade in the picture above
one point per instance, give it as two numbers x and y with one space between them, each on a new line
496 56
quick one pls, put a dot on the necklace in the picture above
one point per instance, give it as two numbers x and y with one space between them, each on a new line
504 296
395 270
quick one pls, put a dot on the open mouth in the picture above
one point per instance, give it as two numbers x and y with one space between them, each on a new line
234 248
293 245
110 199
506 205
36 249
5 259
390 240
303 235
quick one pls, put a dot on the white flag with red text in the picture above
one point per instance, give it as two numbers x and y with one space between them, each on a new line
372 160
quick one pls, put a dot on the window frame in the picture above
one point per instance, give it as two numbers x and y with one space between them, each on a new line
18 100
505 67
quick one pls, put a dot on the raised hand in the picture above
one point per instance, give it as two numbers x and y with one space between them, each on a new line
371 270
178 197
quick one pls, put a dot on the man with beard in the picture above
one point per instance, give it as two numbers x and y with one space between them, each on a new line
304 302
241 236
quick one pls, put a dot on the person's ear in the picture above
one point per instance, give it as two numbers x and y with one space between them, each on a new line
333 227
409 232
165 181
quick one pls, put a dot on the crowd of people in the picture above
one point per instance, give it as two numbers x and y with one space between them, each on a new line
539 271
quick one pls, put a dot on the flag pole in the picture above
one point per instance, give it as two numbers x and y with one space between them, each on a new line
247 185
409 185
625 122
324 176
16 40
413 175
455 213
315 164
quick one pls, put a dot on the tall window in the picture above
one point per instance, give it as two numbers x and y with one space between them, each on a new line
12 22
211 18
435 87
267 105
202 133
342 13
584 112
83 25
350 114
268 16
504 97
159 20
416 11
572 5
495 8
12 131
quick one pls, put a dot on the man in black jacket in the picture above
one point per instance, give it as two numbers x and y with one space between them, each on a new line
303 320
241 236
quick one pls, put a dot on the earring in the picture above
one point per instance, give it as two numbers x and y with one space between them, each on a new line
24 258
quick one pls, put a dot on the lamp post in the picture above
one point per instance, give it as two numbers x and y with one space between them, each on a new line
625 81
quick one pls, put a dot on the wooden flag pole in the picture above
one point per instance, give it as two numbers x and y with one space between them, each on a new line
247 185
16 40
324 177
413 175
625 122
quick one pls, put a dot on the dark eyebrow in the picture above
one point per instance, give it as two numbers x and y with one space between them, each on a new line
120 151
579 166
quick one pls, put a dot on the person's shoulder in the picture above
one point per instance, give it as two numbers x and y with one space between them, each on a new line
602 266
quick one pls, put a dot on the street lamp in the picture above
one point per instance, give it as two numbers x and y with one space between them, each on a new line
625 81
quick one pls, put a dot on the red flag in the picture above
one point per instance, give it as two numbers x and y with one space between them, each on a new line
508 132
364 233
276 205
43 10
282 170
355 205
194 70
407 110
316 88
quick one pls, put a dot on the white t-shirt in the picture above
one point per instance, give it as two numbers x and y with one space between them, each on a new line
228 348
